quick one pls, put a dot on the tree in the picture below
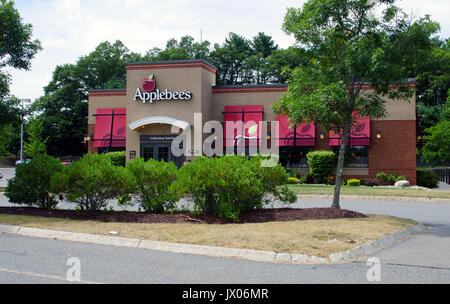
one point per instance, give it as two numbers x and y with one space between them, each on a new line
348 46
437 139
230 60
35 145
64 108
16 45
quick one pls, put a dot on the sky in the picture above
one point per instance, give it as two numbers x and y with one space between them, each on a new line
69 29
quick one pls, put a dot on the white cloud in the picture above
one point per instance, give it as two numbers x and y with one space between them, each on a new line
69 29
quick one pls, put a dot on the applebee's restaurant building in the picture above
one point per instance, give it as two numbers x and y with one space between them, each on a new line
161 95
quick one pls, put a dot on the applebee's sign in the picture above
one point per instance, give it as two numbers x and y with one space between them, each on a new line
149 95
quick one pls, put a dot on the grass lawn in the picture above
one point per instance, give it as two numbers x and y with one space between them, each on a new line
314 237
371 191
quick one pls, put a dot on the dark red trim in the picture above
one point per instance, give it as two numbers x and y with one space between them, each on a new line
171 66
96 94
249 90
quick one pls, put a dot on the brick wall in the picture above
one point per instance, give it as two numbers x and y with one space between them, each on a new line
394 152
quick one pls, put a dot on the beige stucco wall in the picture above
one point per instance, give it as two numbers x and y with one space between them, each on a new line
194 79
104 102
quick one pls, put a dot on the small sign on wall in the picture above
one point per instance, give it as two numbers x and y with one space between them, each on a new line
132 154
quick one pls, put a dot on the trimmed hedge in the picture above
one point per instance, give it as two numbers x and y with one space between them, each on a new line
321 165
427 178
354 183
292 181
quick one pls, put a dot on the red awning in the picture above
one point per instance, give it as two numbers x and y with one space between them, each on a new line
304 135
105 125
232 115
119 134
102 135
359 135
253 116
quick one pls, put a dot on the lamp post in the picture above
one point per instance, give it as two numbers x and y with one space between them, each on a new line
21 129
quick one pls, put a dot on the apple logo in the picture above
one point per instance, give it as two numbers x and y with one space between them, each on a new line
149 84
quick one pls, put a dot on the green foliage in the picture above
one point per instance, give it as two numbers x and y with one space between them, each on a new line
35 145
353 183
427 178
117 158
31 184
346 46
230 185
153 184
17 47
437 144
292 181
91 182
388 179
307 179
321 164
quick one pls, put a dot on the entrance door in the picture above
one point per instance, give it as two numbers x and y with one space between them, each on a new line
157 151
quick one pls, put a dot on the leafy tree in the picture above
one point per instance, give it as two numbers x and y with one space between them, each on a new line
348 46
16 45
437 143
36 144
64 108
437 139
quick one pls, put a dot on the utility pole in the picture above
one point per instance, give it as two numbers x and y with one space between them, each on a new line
21 129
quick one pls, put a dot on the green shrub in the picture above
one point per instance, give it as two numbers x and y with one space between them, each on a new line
307 179
152 184
91 182
230 185
354 182
427 178
388 179
117 158
31 184
321 165
292 181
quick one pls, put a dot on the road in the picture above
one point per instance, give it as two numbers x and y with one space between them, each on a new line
421 259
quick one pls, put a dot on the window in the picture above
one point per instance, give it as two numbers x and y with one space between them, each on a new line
355 156
294 157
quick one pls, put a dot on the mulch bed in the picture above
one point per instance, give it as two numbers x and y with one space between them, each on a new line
255 216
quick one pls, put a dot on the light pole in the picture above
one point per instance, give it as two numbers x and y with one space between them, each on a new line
21 129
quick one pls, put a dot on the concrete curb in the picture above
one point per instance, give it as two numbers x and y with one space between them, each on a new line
376 245
376 198
221 252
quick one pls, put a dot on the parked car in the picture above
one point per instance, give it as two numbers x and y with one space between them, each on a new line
18 162
66 163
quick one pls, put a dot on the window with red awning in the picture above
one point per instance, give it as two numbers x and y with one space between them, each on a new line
253 116
303 136
359 135
110 128
232 115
